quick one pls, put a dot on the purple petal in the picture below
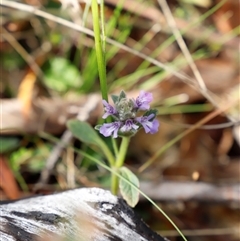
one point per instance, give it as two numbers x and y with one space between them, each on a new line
106 115
155 125
108 129
143 100
149 126
109 110
128 126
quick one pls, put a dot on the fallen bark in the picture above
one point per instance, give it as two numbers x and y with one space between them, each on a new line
87 214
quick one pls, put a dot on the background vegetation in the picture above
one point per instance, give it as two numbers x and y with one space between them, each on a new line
186 52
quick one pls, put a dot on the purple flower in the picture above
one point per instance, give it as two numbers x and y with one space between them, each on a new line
108 128
124 112
143 100
109 110
150 126
128 126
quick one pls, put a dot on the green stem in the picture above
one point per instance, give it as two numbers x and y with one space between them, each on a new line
114 182
115 147
21 181
99 45
108 154
122 152
103 29
119 162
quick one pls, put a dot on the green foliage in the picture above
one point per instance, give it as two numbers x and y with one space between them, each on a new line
114 98
89 71
52 4
8 143
100 49
32 159
55 38
166 110
11 60
121 96
129 193
86 164
19 157
149 112
62 75
84 132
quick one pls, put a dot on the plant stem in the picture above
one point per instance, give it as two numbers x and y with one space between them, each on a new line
115 147
122 152
103 30
99 45
100 42
108 154
119 162
114 182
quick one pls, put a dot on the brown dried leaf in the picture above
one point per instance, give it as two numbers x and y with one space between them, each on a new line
25 92
7 180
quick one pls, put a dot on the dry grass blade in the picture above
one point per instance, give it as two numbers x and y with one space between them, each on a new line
170 19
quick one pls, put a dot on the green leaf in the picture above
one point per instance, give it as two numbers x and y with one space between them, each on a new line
62 75
129 193
84 132
20 157
97 127
151 111
8 143
114 98
122 95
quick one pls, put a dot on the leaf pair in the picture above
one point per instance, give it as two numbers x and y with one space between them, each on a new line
128 181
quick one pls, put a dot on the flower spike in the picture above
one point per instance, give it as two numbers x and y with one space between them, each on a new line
124 113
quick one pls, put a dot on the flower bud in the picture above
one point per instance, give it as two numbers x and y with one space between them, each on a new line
125 108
